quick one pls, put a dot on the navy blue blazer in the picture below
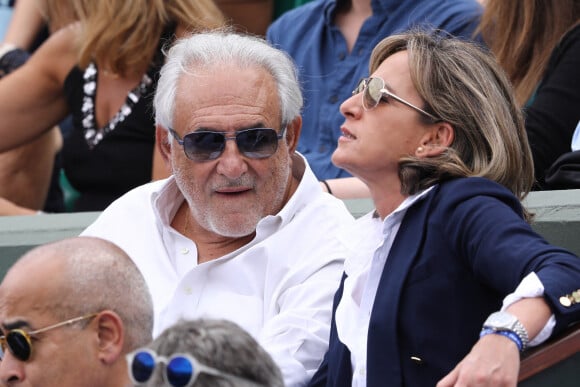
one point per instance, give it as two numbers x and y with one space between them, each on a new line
457 254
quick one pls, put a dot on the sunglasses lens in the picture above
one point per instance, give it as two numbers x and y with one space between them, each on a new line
254 143
373 94
179 371
360 87
142 366
19 345
201 146
257 143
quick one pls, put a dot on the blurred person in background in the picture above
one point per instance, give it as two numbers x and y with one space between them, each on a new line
102 70
537 42
29 174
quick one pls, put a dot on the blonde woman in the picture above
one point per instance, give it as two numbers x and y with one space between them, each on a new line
102 70
446 282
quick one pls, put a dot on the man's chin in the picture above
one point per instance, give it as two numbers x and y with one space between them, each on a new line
234 226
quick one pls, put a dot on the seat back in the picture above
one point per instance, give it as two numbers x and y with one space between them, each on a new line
554 363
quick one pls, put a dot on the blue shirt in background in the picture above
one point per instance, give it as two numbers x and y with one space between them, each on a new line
328 72
5 15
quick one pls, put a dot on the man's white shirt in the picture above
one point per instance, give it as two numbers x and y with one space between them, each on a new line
279 287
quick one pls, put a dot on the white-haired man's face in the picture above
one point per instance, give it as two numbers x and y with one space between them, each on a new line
229 194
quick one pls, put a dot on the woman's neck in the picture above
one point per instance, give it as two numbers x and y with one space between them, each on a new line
386 195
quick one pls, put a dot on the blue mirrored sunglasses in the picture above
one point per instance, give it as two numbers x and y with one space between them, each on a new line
181 369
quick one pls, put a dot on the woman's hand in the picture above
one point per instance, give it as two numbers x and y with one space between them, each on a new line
494 361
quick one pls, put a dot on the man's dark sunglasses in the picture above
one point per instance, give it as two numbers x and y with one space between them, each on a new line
256 143
19 341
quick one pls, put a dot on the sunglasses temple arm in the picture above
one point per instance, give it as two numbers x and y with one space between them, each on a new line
409 104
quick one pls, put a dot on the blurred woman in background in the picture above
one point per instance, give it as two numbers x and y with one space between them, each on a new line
537 42
102 70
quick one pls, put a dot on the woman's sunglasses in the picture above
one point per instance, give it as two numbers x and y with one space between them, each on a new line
256 143
181 370
19 342
374 90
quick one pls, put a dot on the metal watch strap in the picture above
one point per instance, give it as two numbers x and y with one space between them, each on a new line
522 333
505 321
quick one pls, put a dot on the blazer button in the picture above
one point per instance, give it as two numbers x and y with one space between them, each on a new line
570 299
417 360
565 301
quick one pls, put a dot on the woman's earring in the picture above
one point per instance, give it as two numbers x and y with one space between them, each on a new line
420 149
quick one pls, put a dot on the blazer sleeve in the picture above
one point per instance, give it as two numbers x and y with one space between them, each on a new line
501 248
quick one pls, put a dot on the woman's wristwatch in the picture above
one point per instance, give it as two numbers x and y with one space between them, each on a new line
506 324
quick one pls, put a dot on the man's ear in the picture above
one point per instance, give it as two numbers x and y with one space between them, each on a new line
162 141
436 140
110 336
293 133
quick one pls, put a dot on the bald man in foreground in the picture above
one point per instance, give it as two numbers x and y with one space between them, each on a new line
69 312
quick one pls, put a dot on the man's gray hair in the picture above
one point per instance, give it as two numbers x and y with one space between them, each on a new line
216 48
220 344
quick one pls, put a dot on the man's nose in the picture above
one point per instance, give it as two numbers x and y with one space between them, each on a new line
11 370
232 162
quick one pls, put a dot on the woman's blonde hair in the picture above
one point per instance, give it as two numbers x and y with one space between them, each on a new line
122 35
523 33
464 86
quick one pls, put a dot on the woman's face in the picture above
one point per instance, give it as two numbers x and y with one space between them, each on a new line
373 141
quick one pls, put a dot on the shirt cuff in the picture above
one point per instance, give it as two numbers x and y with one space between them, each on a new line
530 287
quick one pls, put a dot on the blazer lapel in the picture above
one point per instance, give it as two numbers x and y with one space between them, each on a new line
382 347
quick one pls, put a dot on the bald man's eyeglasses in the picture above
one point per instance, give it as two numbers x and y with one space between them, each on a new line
256 143
19 342
374 90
